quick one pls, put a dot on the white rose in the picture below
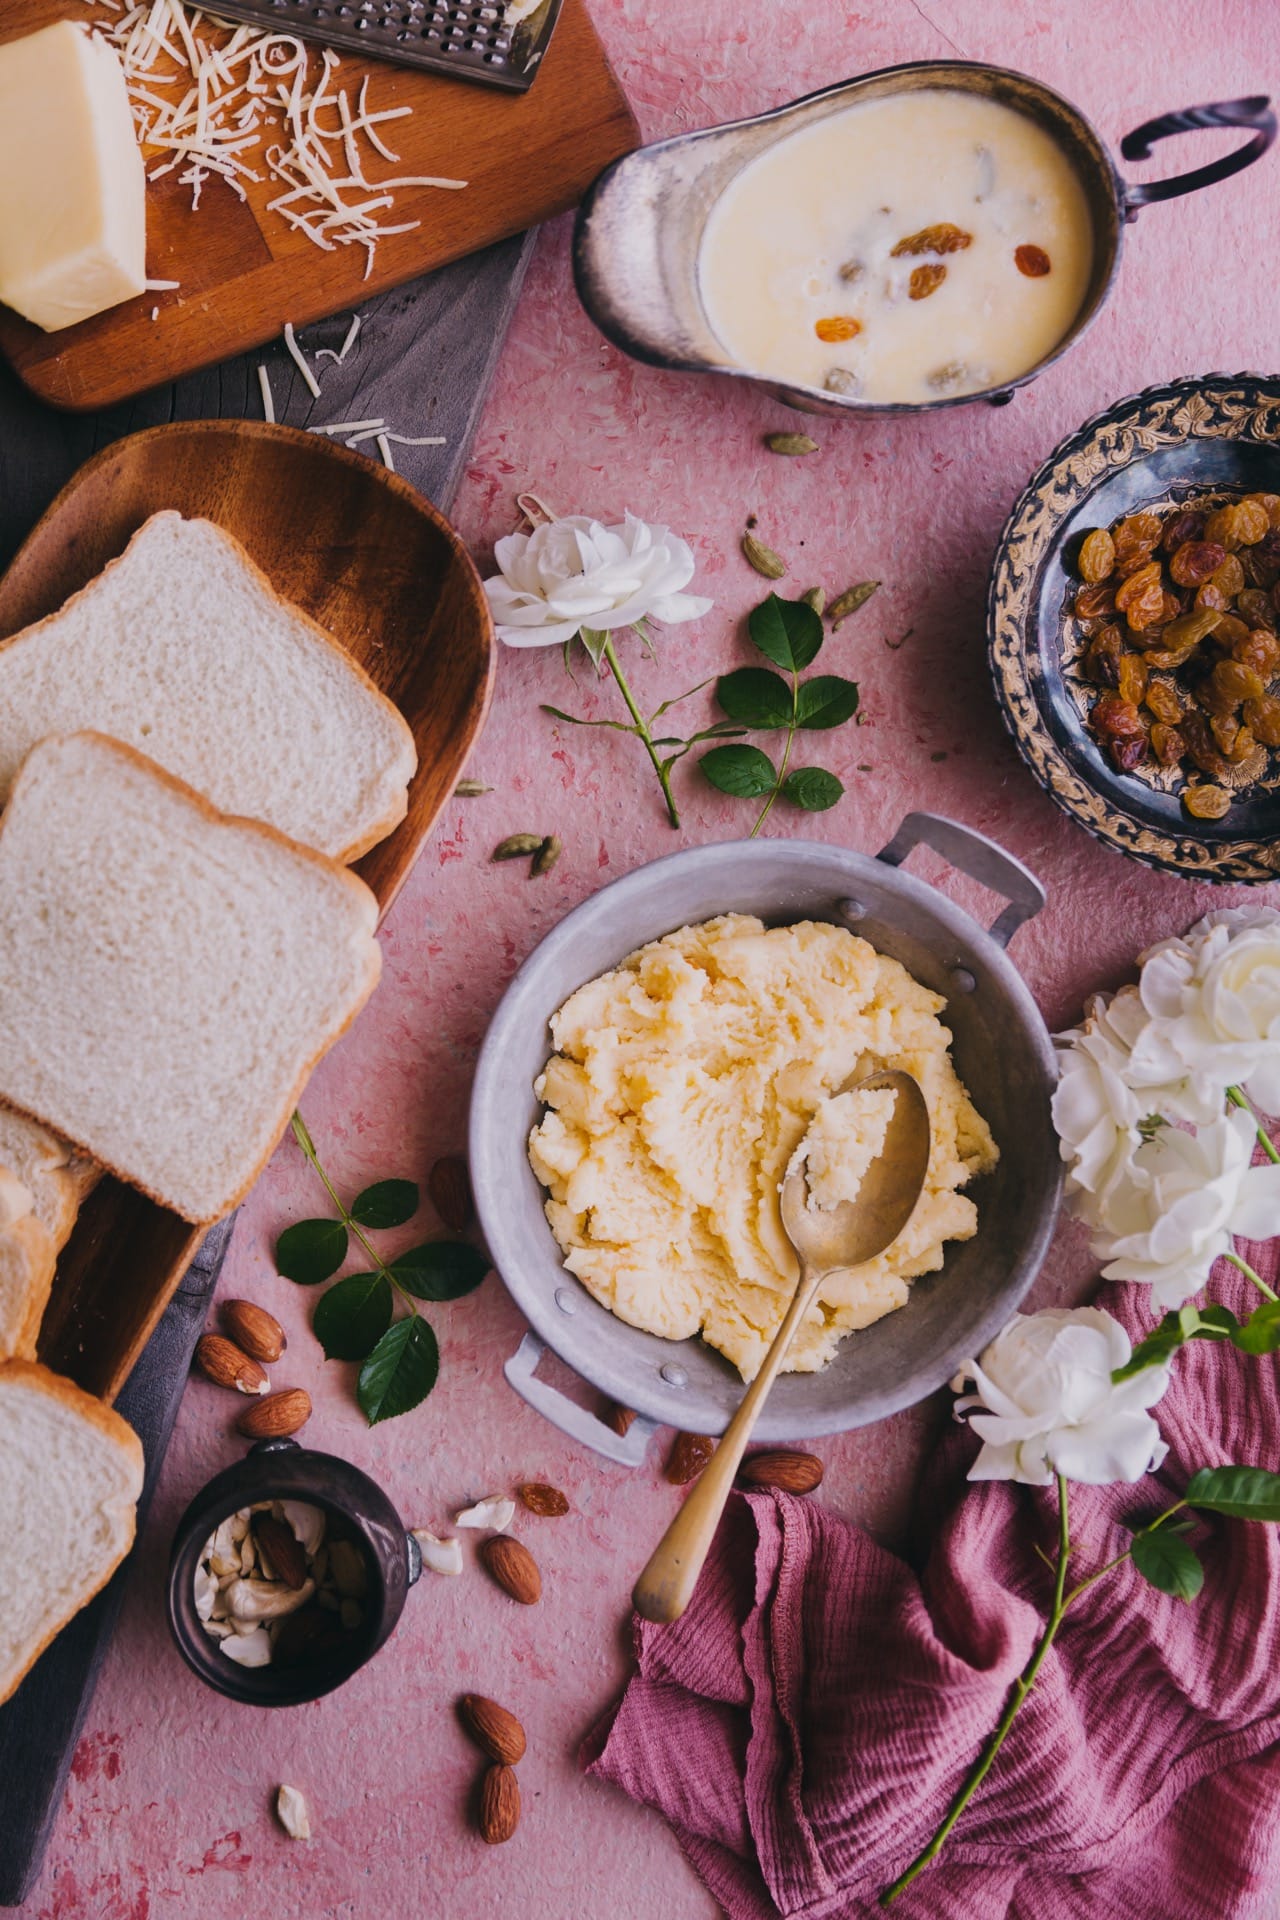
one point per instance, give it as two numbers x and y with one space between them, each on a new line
1095 1111
1214 1001
1190 1193
574 573
1046 1403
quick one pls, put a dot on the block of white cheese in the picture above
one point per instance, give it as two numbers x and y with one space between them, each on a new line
72 185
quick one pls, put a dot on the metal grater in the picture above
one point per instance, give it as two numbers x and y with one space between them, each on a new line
466 38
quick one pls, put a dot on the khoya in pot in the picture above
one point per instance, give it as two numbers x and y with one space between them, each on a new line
917 237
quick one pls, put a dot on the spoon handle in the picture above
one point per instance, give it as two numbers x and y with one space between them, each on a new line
666 1586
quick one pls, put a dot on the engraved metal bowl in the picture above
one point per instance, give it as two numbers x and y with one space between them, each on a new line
1214 437
1002 1052
639 231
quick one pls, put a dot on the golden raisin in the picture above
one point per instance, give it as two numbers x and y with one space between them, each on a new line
1201 745
1241 744
1131 682
942 238
1184 526
1206 803
1252 521
1163 702
1189 629
1229 631
1126 753
1167 744
926 280
837 326
1146 608
1259 650
1102 657
1114 715
1255 608
1211 595
1228 685
1229 576
1261 564
1138 584
1263 717
1196 560
1031 260
1097 556
1092 602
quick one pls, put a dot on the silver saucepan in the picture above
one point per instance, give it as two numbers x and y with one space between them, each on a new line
1002 1051
639 231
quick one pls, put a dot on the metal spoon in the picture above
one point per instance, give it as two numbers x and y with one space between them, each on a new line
825 1242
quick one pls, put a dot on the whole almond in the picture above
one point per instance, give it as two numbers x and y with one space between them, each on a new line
499 1805
511 1564
282 1548
494 1730
449 1185
223 1362
253 1329
617 1417
276 1416
688 1457
541 1499
780 1467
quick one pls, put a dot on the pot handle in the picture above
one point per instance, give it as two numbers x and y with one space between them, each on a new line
1253 112
982 859
628 1449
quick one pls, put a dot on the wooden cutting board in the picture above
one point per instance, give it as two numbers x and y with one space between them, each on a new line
244 272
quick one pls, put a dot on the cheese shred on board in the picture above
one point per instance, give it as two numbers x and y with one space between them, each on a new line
213 99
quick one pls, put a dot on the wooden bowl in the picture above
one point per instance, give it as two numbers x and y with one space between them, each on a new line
1213 438
362 552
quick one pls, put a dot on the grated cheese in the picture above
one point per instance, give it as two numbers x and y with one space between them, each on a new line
328 353
384 449
213 100
268 404
300 360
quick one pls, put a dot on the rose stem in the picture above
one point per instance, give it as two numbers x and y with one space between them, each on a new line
1238 1098
642 731
1242 1266
786 756
302 1135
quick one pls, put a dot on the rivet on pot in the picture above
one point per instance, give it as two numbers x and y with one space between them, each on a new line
673 1375
962 980
565 1301
852 910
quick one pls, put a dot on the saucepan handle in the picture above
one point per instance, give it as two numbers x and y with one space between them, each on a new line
627 1449
1254 112
977 856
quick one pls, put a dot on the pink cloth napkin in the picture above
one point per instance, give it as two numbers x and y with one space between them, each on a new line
804 1727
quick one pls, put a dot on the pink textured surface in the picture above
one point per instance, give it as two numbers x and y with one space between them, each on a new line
168 1811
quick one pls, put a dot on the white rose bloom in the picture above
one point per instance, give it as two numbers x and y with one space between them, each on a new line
1046 1403
1214 1001
1191 1192
574 573
1095 1111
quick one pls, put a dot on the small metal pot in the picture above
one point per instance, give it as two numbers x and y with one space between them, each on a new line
1003 1054
282 1470
639 230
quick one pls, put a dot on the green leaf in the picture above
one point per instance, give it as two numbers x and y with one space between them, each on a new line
1261 1331
352 1317
788 632
576 720
311 1251
595 642
388 1203
1167 1563
1245 1493
827 701
441 1269
812 788
400 1372
754 697
742 771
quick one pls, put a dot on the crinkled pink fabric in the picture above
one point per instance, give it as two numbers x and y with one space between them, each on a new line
806 1724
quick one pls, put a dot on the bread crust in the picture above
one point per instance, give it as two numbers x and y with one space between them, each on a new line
388 821
122 1435
263 830
42 1255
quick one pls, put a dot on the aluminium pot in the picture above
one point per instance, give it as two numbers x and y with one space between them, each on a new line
639 231
1002 1051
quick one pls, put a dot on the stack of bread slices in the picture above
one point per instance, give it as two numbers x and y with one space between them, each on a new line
187 765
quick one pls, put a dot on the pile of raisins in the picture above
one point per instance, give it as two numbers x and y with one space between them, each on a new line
1191 596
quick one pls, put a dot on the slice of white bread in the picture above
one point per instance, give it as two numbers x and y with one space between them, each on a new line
183 649
27 1260
45 1166
168 976
70 1476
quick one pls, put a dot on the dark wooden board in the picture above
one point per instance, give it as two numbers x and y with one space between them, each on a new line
425 351
243 271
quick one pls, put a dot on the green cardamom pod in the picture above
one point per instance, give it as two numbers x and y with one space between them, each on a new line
816 597
850 602
547 855
517 846
762 558
470 789
792 443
